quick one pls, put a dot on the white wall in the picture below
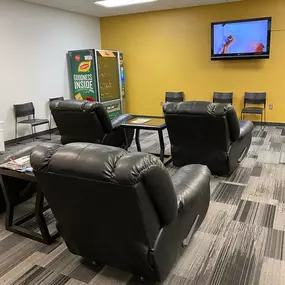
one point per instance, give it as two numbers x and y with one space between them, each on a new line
33 44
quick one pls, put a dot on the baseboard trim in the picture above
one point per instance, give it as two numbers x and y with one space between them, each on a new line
146 116
270 124
13 141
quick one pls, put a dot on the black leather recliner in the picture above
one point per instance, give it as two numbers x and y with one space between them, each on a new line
121 209
206 133
83 121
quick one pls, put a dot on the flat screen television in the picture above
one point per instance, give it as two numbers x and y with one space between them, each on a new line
243 39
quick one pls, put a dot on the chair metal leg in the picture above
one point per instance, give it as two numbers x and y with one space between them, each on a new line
33 133
264 117
16 133
49 126
262 123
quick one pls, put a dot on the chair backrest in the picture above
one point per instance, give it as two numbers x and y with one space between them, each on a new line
223 97
56 99
174 97
22 110
200 131
80 121
109 204
255 98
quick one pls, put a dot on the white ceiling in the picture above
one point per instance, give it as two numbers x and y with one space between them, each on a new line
87 7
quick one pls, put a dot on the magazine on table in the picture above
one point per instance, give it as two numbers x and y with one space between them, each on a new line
140 121
21 164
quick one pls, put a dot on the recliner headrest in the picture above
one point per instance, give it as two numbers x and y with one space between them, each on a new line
208 109
75 105
93 161
82 108
197 108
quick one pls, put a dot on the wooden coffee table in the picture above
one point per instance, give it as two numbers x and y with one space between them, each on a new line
154 124
15 225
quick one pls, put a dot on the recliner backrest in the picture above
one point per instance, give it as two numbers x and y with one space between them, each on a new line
80 121
201 126
109 204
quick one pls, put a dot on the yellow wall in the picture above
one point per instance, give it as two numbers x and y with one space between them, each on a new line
170 51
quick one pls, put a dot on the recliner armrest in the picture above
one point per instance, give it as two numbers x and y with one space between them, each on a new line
191 183
23 151
117 122
245 128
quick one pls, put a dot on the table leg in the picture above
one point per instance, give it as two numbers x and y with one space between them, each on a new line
15 225
126 139
138 140
40 217
9 207
162 146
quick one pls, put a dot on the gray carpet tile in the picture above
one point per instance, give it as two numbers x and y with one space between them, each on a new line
241 240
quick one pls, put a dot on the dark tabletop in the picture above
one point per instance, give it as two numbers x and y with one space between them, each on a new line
152 124
29 176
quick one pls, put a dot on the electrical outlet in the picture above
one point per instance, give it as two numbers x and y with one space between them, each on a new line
271 107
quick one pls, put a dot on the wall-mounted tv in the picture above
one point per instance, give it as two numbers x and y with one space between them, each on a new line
243 39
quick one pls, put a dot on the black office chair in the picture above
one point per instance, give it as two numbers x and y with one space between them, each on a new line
222 97
52 100
174 97
56 99
255 99
27 110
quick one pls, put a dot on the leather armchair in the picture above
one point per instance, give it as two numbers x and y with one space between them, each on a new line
209 134
122 209
83 121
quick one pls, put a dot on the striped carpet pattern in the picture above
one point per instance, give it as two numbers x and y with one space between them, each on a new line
241 241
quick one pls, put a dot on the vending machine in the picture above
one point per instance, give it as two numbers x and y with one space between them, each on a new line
98 75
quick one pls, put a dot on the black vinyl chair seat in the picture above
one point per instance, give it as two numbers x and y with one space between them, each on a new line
34 122
174 97
252 110
223 97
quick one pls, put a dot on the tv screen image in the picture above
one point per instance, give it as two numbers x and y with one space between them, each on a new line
241 39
